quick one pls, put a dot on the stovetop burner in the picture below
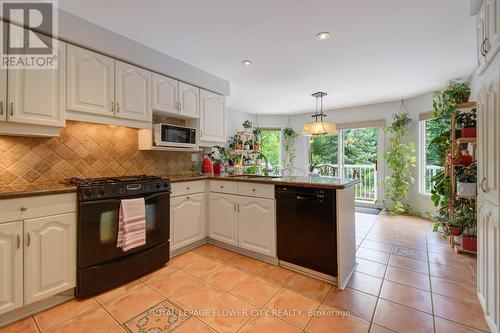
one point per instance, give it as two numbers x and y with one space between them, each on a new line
110 180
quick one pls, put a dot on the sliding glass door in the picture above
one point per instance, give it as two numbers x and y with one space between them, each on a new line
352 153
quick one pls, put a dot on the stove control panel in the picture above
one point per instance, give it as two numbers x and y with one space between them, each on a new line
121 190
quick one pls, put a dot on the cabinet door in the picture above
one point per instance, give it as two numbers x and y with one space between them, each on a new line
165 94
11 266
223 218
212 117
493 28
189 100
132 92
488 126
481 32
50 256
187 220
36 96
90 82
257 225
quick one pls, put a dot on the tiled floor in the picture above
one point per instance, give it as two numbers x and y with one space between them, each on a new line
407 280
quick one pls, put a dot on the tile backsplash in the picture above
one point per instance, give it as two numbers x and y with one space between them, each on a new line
84 150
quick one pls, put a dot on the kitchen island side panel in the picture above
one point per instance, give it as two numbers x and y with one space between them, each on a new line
346 236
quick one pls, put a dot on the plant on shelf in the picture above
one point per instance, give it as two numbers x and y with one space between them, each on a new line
400 157
247 125
258 137
445 100
466 217
289 137
239 144
232 142
467 180
466 121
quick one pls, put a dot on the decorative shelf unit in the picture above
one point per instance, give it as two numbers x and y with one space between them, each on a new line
242 154
456 143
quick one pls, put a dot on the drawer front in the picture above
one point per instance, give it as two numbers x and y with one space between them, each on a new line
224 186
184 188
10 210
256 190
35 207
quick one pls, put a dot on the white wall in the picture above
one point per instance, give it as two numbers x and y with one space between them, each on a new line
382 111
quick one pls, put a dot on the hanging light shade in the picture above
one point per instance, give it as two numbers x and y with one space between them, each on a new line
319 126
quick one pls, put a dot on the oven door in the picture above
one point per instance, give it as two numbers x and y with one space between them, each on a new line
98 228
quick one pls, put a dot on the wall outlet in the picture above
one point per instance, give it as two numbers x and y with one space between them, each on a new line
194 157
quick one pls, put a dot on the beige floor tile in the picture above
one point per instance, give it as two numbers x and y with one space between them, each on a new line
26 325
109 295
164 317
329 320
172 283
61 313
365 283
308 287
197 296
99 321
214 252
373 255
374 245
446 326
226 277
452 273
411 297
291 307
463 291
379 329
159 272
264 324
194 325
184 259
228 314
275 274
202 268
469 314
133 303
410 278
409 264
356 302
448 259
246 264
255 291
370 267
117 329
402 319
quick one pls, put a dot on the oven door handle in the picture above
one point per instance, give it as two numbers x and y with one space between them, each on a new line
111 201
117 200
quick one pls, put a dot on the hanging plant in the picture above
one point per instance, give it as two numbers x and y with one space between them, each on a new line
400 157
247 125
289 137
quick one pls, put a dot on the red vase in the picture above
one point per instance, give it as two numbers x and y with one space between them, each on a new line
207 166
218 168
469 132
456 231
469 243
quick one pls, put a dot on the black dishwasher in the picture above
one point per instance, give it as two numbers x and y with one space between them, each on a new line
306 228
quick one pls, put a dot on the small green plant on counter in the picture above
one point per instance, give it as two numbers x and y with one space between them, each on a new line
400 157
289 137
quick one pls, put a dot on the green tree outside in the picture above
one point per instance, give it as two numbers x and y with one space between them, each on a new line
270 146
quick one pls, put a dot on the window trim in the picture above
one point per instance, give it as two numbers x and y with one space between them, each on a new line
422 163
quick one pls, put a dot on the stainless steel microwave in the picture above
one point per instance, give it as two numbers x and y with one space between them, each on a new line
167 135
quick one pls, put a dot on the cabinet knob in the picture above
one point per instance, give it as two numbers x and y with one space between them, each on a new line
11 109
222 186
23 209
112 106
117 107
18 241
253 190
188 188
188 198
483 185
1 108
28 239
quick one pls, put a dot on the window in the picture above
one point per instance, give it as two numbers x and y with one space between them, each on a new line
430 162
270 147
325 151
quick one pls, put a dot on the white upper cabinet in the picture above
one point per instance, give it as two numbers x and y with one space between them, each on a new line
90 82
132 92
212 117
256 225
11 266
187 220
3 95
36 96
481 31
493 27
165 94
50 256
189 100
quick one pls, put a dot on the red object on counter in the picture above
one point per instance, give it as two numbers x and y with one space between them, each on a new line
469 243
207 166
469 132
218 168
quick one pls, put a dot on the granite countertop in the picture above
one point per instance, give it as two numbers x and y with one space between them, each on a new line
17 191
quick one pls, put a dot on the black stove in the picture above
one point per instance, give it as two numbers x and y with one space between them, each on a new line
117 187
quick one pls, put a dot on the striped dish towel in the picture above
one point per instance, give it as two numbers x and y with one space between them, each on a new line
132 224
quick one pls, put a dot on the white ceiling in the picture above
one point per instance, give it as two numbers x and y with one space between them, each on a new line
380 50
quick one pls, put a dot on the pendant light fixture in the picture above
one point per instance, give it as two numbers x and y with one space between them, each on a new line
319 126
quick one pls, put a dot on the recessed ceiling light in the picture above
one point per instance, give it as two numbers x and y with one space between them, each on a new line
323 35
247 62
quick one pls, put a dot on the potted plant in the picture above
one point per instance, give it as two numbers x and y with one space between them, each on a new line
239 144
246 146
247 125
467 180
445 100
289 137
469 237
232 142
466 120
258 137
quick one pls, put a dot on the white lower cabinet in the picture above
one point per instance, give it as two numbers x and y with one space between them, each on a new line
243 221
50 253
223 220
256 226
11 266
187 220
